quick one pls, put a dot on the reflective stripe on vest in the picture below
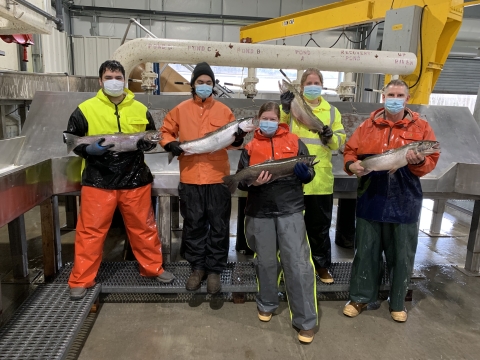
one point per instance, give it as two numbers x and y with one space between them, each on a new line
317 141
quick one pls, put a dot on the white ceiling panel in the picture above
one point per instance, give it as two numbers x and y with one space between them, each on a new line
115 28
190 6
270 8
81 25
240 7
231 33
291 6
187 31
156 27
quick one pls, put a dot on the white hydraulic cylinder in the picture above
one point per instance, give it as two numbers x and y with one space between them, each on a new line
216 53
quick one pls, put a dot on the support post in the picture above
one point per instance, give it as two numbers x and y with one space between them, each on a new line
3 124
175 212
164 225
437 216
71 211
476 110
18 247
52 260
345 228
472 263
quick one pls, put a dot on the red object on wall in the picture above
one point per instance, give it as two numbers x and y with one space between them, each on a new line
22 39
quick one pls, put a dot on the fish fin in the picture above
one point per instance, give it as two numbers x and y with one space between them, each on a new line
231 182
392 171
391 151
315 163
71 141
170 157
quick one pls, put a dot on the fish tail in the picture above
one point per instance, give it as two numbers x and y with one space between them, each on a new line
170 157
71 141
231 182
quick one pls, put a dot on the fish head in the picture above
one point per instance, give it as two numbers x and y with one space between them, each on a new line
152 136
308 160
247 124
285 86
427 147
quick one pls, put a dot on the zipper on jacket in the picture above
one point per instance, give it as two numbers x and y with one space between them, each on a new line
389 134
273 151
118 118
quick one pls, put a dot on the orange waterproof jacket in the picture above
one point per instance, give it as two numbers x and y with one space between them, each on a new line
283 145
384 197
191 120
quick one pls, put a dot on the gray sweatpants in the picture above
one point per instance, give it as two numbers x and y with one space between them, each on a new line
286 234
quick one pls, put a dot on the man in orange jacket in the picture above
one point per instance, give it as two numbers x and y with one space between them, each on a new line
388 205
205 203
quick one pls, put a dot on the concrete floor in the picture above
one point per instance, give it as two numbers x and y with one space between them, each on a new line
444 318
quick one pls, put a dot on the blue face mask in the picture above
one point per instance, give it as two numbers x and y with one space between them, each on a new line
268 127
394 105
312 92
203 90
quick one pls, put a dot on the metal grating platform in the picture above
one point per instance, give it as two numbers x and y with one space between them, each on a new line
46 324
124 277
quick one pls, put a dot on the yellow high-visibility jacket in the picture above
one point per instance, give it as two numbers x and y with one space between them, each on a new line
322 183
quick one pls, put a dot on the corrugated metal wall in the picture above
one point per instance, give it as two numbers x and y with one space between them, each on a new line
459 76
90 52
56 52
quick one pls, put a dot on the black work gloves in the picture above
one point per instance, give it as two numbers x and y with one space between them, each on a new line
145 145
326 135
286 99
174 148
97 148
239 135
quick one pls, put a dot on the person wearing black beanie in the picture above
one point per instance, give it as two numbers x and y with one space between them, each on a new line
202 69
205 202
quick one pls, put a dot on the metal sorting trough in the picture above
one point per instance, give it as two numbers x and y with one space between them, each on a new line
35 168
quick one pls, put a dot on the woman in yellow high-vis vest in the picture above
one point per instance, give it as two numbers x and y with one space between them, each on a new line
318 194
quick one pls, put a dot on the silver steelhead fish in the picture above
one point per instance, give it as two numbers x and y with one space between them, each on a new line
278 169
216 140
300 110
123 142
394 159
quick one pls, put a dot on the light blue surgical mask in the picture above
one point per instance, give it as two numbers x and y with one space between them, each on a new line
394 105
312 92
203 90
268 127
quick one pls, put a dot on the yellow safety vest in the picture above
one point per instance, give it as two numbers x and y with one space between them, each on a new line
104 117
322 183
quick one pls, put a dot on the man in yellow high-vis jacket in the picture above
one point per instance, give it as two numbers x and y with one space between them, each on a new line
319 192
111 179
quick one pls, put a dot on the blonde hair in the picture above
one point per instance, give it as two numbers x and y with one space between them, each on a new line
310 71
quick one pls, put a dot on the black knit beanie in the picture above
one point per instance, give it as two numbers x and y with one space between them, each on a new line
202 69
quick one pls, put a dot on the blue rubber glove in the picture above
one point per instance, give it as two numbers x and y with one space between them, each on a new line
301 171
97 148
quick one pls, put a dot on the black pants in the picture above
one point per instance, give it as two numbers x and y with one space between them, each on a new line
318 218
206 225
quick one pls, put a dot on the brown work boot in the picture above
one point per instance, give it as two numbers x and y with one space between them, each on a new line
353 309
213 283
195 279
306 336
325 275
264 315
399 316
